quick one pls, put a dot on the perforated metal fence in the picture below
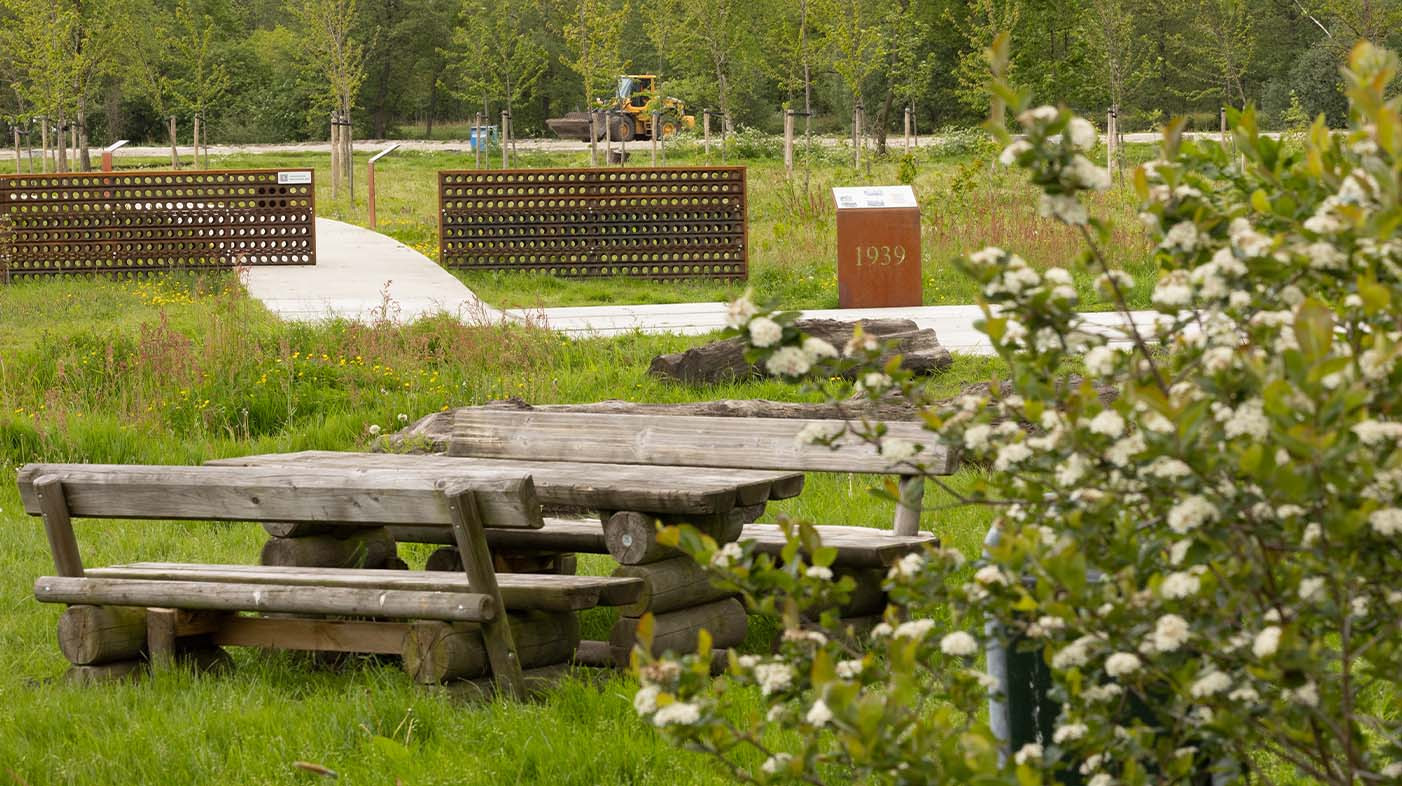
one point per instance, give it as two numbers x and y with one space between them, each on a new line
137 222
658 222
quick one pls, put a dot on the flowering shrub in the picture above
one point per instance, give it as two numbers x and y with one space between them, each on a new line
1210 565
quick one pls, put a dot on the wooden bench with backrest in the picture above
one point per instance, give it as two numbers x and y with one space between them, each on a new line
699 441
444 625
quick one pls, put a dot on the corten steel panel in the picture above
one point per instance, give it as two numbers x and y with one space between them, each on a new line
878 257
136 222
656 222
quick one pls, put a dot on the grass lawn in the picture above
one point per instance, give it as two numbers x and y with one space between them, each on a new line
184 369
966 202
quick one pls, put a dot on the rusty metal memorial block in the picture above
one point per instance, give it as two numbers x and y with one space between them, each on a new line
137 222
656 222
878 247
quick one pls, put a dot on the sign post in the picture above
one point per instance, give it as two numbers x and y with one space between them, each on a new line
878 247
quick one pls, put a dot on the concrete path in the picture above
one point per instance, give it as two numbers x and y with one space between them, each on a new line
953 325
363 276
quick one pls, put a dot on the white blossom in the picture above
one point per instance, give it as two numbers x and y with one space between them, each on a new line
817 349
1100 361
988 575
850 669
874 382
1373 432
898 450
818 431
374 429
678 713
958 644
819 714
1081 134
1179 585
1182 236
775 763
765 332
1267 642
1101 779
976 437
1070 471
1042 114
1311 535
773 677
1169 468
881 631
818 572
1311 588
1015 149
1386 522
787 361
1108 423
1393 770
1307 694
1068 732
915 629
740 311
1011 455
859 344
1245 695
726 555
1178 551
908 566
1170 632
1190 513
1210 684
645 700
1106 692
1029 754
1065 207
1122 663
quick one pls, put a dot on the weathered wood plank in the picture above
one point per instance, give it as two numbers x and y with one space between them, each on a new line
50 502
477 564
278 598
277 493
857 547
557 534
596 486
519 591
680 440
312 635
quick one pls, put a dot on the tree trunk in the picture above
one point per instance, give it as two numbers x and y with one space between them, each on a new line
61 150
174 153
348 149
196 163
883 122
335 156
84 152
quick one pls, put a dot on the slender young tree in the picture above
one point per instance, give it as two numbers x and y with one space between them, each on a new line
331 45
851 33
495 54
593 49
202 79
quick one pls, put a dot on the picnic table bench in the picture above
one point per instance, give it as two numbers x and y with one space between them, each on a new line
445 625
638 471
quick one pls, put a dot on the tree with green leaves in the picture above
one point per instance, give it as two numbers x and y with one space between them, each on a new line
333 49
1216 51
495 54
593 39
980 21
37 39
201 80
851 34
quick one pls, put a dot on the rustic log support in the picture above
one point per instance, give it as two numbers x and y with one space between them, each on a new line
440 652
669 585
677 631
93 635
366 548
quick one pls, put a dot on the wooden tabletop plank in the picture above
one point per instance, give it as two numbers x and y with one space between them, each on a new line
681 490
306 493
519 591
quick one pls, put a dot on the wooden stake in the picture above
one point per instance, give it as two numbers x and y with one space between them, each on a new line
174 153
477 563
17 158
44 143
706 132
505 139
197 142
335 157
788 141
907 129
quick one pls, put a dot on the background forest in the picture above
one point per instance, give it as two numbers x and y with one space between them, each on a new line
272 70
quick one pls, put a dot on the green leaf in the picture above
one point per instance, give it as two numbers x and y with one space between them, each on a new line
393 750
1314 329
1260 202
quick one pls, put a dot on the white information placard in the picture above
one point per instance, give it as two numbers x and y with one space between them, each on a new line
873 196
294 178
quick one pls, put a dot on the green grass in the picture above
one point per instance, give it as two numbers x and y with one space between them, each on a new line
184 369
966 204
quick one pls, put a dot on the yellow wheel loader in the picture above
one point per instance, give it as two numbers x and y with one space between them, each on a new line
635 111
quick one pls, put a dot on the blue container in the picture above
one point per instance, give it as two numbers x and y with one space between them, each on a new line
486 134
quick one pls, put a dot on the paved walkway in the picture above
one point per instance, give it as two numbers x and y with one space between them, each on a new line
365 276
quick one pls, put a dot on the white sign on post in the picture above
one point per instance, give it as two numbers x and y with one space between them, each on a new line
294 178
874 196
